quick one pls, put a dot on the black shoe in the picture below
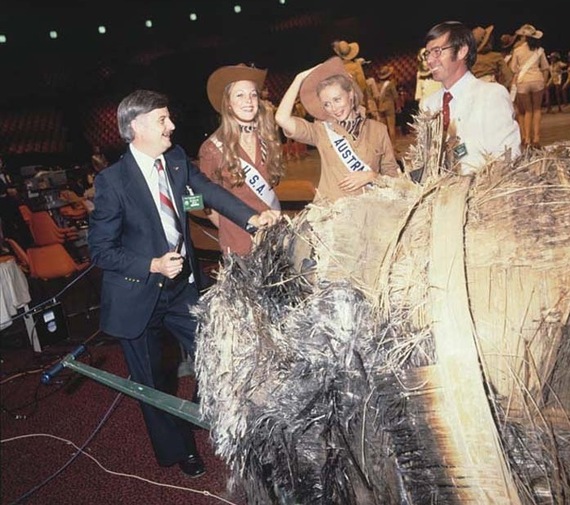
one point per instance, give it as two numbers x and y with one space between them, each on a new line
193 466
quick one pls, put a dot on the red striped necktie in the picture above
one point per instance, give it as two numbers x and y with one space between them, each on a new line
447 97
168 216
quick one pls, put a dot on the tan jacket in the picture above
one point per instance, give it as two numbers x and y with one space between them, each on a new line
373 147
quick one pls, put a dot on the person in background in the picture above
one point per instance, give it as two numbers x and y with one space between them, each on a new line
508 43
348 52
370 94
244 155
139 238
98 163
566 84
406 110
354 150
490 65
481 114
530 66
387 99
5 176
425 83
554 83
265 97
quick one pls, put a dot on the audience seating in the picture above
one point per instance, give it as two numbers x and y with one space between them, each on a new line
46 262
45 231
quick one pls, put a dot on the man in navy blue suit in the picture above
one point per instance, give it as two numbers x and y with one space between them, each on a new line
148 284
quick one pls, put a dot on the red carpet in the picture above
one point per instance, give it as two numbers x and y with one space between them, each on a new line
39 464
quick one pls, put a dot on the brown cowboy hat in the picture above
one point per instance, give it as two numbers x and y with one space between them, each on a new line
308 91
385 72
345 50
529 31
482 35
507 40
223 76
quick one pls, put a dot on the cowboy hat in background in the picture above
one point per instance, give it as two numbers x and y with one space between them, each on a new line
223 76
507 40
385 72
423 69
308 91
482 35
529 31
345 50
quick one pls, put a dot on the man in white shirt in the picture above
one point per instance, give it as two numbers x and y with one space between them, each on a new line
481 114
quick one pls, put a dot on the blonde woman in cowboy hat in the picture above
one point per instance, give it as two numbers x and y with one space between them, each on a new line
244 154
531 68
354 149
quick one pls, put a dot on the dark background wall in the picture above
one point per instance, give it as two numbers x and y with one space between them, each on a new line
82 71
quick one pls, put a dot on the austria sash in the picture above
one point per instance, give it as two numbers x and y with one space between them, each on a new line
255 181
345 152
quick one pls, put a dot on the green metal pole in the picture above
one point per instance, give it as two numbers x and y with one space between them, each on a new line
184 409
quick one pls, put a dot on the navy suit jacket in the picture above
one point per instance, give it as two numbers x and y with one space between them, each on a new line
125 234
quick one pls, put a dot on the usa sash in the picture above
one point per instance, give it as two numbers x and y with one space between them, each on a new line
255 181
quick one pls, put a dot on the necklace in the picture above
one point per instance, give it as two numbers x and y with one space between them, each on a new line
247 128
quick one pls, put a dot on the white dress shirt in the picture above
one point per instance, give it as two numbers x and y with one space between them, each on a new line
483 117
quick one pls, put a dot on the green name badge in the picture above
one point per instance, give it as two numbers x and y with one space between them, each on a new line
193 202
460 150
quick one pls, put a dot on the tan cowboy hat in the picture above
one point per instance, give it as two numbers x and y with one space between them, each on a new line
223 76
529 31
482 35
385 72
507 40
345 50
308 91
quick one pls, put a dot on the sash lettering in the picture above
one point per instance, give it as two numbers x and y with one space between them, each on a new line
344 150
255 181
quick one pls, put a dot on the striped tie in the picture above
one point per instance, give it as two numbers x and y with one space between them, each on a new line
170 221
447 97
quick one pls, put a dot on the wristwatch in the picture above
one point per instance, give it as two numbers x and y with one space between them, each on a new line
250 228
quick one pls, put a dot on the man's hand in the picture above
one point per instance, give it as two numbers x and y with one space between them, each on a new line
169 265
266 218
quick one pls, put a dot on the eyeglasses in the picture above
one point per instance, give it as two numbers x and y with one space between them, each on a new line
435 52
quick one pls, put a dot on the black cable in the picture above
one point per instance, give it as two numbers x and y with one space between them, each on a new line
63 382
75 456
54 298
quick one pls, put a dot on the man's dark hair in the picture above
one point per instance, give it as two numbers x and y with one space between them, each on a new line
459 36
138 102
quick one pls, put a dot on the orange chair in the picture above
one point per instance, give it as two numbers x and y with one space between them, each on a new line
26 213
46 262
52 262
20 255
45 231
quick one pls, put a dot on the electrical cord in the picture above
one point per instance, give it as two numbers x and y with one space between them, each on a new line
36 488
81 450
